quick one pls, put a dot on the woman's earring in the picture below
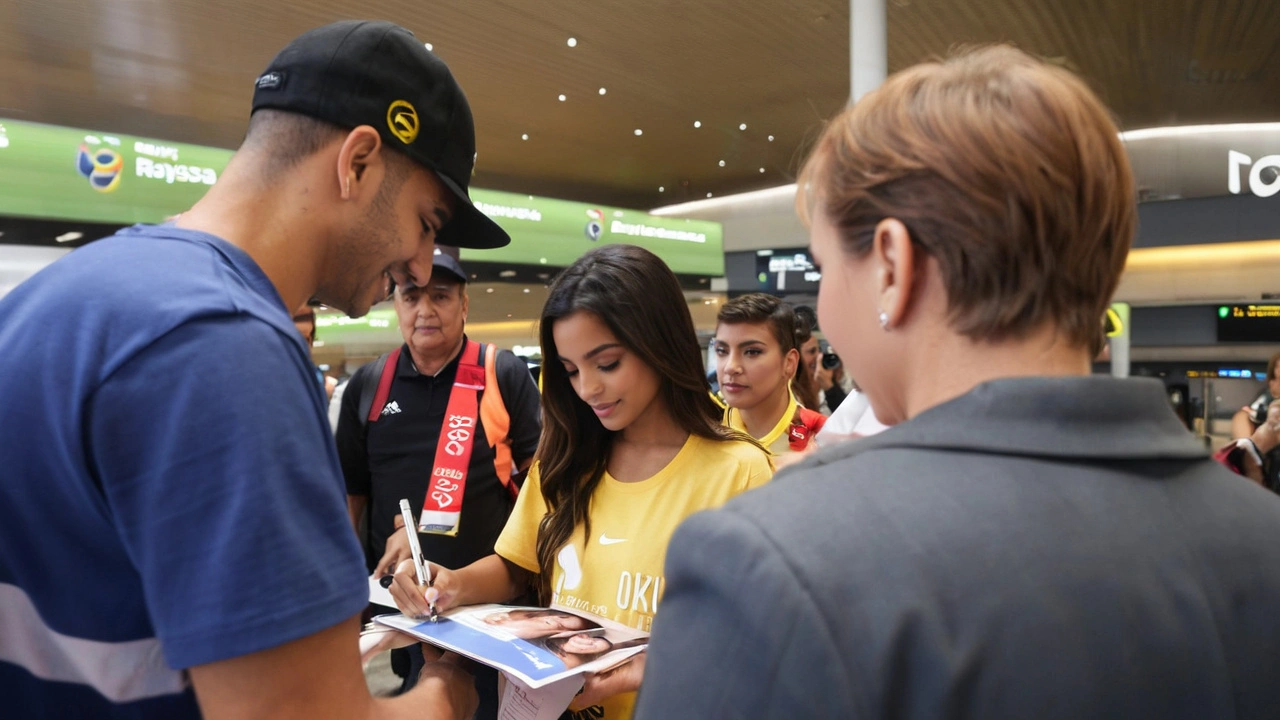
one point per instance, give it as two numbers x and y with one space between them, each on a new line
884 321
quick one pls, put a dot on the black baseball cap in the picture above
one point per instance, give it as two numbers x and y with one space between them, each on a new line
363 72
449 265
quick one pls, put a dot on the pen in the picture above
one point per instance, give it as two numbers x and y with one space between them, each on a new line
420 565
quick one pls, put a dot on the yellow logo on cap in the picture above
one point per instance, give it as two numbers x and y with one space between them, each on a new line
403 121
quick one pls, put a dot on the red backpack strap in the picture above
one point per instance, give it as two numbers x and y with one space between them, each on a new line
384 385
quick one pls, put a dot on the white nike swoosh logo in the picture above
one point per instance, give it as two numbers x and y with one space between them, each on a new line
606 540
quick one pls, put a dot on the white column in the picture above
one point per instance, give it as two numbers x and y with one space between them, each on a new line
868 47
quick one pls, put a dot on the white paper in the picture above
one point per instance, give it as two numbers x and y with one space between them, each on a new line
525 643
379 595
520 702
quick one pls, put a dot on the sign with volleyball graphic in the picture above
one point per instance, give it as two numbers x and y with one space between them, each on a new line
70 174
61 173
101 165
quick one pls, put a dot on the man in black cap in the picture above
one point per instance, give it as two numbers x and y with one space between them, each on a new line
395 443
173 537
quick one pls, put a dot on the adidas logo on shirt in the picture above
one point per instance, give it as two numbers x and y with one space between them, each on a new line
392 408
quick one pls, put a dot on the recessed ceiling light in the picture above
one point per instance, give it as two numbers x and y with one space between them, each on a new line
526 290
603 91
507 273
697 123
770 138
524 136
639 132
508 314
743 126
69 236
661 189
573 42
488 290
708 194
721 163
429 46
762 170
562 98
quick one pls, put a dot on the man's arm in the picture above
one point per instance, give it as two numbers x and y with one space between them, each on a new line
356 505
349 436
732 603
319 676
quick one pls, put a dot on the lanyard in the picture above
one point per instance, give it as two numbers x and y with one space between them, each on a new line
442 507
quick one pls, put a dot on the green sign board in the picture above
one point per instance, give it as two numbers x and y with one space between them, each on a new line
67 174
556 232
64 174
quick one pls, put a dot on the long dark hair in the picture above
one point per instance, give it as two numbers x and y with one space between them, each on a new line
639 299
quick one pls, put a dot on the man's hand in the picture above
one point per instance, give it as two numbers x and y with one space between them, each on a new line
614 681
446 670
823 377
397 550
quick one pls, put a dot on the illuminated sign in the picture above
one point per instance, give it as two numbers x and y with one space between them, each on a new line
61 173
1226 373
1249 323
1264 175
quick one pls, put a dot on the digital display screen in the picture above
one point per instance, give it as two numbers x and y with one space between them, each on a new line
1249 323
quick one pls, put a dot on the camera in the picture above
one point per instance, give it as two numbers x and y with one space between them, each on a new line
830 360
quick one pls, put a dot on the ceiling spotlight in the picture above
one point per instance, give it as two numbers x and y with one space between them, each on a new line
770 138
429 46
743 126
524 136
508 314
697 123
661 189
639 132
708 194
526 290
488 290
603 91
573 42
721 163
69 236
762 170
562 98
507 273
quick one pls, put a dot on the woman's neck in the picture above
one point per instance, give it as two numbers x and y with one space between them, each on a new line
761 418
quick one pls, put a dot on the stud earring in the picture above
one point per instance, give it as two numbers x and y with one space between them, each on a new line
884 321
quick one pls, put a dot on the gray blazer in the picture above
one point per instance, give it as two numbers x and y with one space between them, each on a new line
1038 548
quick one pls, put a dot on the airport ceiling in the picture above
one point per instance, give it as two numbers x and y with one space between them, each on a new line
182 70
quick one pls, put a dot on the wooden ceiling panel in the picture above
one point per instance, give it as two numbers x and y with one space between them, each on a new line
183 70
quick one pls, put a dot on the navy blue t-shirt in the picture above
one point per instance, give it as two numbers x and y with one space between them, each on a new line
170 494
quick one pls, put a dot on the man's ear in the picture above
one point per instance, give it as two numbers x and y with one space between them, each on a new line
361 164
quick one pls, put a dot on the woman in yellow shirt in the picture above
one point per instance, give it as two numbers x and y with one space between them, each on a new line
757 356
632 444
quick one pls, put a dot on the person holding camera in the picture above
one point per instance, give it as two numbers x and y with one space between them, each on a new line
830 377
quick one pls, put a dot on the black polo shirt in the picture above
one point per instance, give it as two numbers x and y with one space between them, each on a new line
392 458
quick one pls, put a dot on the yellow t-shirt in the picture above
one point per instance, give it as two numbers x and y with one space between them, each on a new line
778 440
617 572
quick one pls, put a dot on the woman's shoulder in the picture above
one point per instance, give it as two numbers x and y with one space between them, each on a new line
730 451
